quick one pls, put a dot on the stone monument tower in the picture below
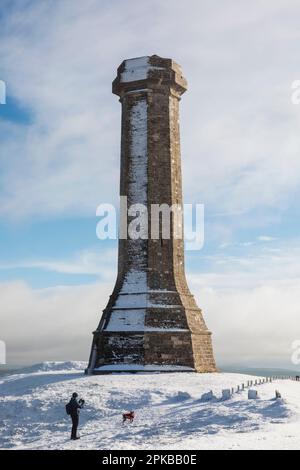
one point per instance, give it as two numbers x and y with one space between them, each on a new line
151 321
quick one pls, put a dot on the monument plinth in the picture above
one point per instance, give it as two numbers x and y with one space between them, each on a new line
151 321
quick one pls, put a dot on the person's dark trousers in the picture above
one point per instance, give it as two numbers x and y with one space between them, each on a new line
75 421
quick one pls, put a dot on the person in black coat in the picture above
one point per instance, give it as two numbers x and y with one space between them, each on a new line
74 407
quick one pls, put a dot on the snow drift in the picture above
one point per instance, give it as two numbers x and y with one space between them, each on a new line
169 411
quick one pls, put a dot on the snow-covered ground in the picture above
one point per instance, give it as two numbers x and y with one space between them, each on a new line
169 411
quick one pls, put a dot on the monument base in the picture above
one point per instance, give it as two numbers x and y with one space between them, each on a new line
151 351
137 368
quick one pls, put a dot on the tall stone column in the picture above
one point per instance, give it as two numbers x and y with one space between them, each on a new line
151 321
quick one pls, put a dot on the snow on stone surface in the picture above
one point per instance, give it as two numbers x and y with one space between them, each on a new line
136 300
134 320
138 169
161 291
139 367
154 305
134 282
137 69
131 301
127 320
166 329
169 413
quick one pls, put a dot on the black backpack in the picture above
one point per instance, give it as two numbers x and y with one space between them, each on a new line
68 408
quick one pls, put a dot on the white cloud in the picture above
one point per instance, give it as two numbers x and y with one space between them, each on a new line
250 304
239 131
261 266
52 324
255 326
240 145
265 238
250 325
102 263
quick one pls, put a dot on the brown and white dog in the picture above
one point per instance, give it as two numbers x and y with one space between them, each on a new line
128 416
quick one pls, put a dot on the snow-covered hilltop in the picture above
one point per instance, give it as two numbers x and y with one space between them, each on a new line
169 411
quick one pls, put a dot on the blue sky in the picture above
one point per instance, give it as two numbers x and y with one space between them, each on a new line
59 159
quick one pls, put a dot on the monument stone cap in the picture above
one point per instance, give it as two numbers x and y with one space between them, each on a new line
149 73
